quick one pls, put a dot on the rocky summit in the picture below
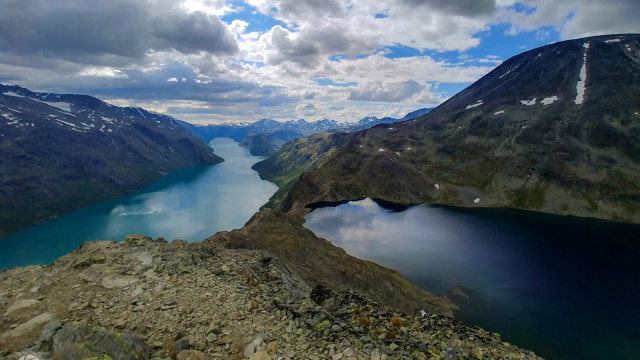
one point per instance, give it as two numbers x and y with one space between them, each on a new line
150 299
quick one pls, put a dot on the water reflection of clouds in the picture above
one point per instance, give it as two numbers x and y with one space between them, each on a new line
224 198
424 242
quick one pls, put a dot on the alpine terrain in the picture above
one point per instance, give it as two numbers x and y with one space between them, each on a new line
555 129
62 152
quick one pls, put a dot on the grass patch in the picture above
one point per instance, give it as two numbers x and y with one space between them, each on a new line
533 198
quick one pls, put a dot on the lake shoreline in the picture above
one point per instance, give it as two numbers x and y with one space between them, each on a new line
190 203
523 271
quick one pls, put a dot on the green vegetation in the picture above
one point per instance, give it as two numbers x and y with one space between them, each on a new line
533 198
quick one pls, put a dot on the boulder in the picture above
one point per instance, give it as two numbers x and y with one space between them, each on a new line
34 325
137 240
78 341
19 306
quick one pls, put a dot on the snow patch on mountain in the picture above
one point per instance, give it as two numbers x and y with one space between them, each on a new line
528 102
11 93
549 100
60 105
581 86
471 106
508 72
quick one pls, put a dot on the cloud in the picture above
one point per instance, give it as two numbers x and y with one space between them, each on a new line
286 46
223 60
77 30
386 92
574 18
193 33
307 109
470 8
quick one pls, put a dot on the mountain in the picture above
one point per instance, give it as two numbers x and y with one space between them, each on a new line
417 113
265 137
62 152
240 131
267 144
555 129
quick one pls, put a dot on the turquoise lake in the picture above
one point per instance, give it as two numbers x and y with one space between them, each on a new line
190 204
563 287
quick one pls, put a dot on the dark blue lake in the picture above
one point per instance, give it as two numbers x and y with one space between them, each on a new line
567 288
190 204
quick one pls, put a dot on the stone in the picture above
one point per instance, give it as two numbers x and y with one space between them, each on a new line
348 352
375 355
49 330
80 341
225 340
169 302
137 292
120 324
117 281
33 325
212 338
78 306
213 329
251 348
260 355
272 347
191 355
182 344
20 305
137 240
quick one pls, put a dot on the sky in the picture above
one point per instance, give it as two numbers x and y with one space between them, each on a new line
217 61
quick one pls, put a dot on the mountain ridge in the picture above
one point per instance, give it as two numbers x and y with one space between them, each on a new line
264 137
517 137
63 151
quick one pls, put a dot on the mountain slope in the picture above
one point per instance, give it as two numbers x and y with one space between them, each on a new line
532 134
267 144
62 152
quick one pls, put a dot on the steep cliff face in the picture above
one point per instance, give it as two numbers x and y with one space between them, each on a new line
555 129
62 152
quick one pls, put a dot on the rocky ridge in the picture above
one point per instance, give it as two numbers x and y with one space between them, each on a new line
149 299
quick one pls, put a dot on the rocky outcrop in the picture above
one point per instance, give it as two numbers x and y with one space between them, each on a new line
318 262
211 300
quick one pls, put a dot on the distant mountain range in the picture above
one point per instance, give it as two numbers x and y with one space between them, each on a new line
62 152
555 129
264 137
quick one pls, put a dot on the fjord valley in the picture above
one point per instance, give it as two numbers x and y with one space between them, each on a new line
310 180
63 152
